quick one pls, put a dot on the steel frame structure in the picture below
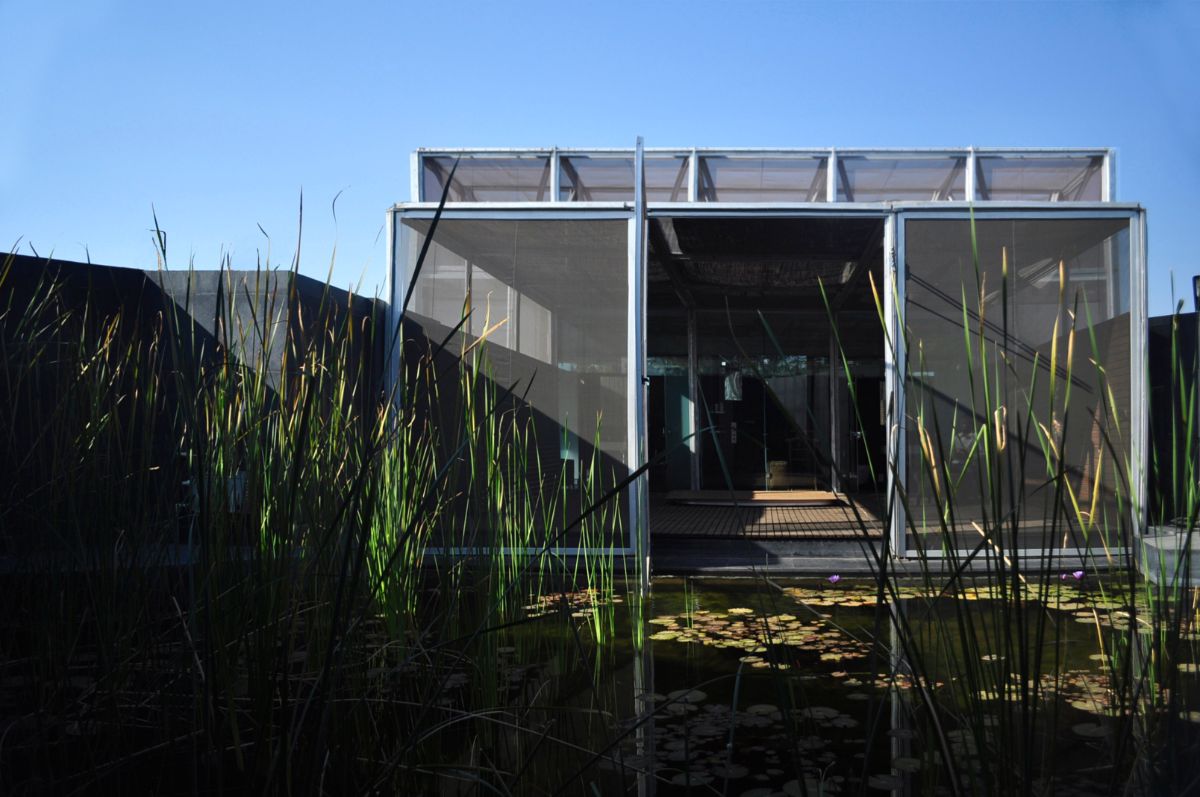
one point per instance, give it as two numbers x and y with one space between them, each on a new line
894 214
834 174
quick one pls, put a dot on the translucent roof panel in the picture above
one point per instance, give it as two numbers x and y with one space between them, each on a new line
586 178
745 179
1039 179
488 179
886 179
768 176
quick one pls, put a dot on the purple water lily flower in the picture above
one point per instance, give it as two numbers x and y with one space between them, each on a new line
1077 575
835 578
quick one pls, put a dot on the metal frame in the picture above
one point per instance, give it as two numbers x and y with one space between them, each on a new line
894 364
519 212
694 155
638 385
894 213
1136 215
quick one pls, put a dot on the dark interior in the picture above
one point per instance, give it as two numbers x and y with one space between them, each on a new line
741 317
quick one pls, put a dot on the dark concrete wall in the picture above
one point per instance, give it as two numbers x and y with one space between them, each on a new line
1172 379
174 323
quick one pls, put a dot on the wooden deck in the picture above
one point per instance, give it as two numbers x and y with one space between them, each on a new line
761 520
753 497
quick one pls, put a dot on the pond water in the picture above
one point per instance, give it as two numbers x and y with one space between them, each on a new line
761 688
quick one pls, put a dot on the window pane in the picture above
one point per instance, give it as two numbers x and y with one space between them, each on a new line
729 179
604 179
1014 302
487 179
1038 179
863 179
558 291
666 179
584 179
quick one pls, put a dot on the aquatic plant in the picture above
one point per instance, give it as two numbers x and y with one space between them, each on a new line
236 562
996 729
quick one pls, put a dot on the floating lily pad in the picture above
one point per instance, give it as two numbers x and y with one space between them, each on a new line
886 782
687 695
1090 730
818 712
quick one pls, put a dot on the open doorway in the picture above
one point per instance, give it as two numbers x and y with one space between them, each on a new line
749 398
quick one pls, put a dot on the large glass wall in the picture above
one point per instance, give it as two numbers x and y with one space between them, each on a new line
1018 385
547 301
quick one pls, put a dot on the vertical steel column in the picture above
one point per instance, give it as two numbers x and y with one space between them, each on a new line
414 179
555 176
831 177
969 177
1108 177
1139 357
693 177
693 355
893 370
639 509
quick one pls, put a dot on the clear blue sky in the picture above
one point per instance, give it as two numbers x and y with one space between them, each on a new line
217 115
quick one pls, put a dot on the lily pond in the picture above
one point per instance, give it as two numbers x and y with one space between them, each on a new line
754 687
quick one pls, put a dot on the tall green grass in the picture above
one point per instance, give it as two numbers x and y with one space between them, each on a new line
985 643
220 571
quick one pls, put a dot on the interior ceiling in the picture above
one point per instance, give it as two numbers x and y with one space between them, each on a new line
763 263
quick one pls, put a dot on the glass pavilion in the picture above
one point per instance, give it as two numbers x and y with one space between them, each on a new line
674 306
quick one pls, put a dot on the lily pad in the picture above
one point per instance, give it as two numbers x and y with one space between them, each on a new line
1090 730
687 695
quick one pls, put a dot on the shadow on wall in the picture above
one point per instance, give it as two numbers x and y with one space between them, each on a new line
53 311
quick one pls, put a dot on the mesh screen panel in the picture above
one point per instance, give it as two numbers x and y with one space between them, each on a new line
554 295
1015 315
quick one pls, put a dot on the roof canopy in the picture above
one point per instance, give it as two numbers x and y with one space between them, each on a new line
767 176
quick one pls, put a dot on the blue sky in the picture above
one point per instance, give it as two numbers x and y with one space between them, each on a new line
218 115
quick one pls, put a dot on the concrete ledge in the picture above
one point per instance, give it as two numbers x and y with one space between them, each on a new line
1163 558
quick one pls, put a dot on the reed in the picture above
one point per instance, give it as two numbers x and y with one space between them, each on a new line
986 642
236 562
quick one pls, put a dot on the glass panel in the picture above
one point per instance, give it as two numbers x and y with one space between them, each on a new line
602 179
667 179
586 179
733 179
989 391
554 293
1038 179
487 179
871 179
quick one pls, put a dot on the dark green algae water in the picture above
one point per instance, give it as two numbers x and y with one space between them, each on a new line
754 687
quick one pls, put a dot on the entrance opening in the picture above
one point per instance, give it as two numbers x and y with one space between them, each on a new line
764 352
